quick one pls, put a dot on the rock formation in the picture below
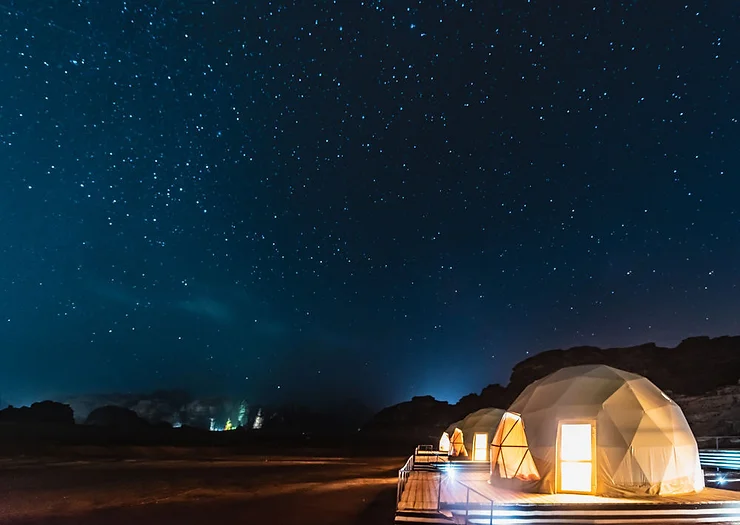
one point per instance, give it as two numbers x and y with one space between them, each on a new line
701 374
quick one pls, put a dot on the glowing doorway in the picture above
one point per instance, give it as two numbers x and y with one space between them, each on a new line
576 457
480 446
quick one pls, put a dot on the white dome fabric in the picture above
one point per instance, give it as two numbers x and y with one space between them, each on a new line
642 442
444 442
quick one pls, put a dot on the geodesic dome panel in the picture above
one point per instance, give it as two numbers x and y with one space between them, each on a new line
642 443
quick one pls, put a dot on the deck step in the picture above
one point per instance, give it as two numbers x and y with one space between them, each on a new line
593 516
424 517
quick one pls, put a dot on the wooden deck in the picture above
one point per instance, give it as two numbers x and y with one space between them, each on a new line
420 498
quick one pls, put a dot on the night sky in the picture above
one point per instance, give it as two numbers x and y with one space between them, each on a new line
378 199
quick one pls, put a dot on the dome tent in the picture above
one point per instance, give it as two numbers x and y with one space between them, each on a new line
478 428
481 423
598 430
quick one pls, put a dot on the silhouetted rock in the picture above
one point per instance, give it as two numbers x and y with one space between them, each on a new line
417 420
696 366
701 374
49 412
116 417
492 396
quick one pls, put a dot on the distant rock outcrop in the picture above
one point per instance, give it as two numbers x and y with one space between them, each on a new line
161 406
701 374
414 421
493 396
173 407
116 417
48 412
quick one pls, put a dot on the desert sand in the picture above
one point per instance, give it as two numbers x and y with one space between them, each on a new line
202 490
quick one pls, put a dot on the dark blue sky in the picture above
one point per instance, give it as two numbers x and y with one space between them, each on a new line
383 199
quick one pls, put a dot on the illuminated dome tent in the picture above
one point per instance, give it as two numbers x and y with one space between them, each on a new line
597 430
476 432
478 429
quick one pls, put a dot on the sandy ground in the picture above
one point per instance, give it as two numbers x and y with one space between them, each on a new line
277 490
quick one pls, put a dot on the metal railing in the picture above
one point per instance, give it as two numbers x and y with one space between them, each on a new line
469 489
720 459
427 452
719 452
403 477
717 442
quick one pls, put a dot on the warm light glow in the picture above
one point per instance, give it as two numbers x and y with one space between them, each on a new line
510 454
575 442
576 455
457 444
480 446
575 476
444 442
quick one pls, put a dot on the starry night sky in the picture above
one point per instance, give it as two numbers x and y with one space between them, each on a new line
383 199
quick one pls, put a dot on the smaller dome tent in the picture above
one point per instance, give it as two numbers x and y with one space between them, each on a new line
598 430
478 429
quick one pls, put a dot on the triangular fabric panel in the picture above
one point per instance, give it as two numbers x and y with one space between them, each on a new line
457 444
510 455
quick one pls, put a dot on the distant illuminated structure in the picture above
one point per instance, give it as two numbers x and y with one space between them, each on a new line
243 414
212 428
258 420
229 426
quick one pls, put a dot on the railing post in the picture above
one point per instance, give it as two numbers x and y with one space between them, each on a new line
439 490
467 505
490 522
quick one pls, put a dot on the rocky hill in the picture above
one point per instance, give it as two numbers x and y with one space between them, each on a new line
701 374
696 366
